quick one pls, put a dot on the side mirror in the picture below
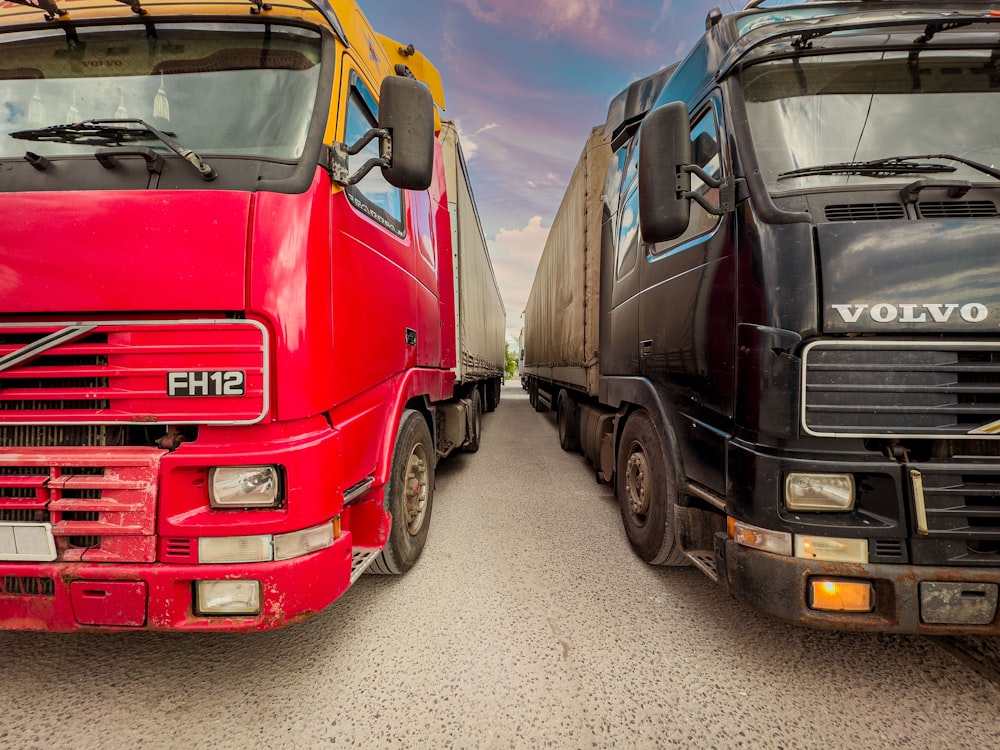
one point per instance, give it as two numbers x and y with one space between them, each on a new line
664 149
406 111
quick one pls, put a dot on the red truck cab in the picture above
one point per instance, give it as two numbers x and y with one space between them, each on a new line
227 341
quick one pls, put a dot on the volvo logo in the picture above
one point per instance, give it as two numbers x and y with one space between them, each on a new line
931 312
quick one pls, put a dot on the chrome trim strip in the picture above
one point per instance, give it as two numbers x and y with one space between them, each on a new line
353 493
917 480
42 345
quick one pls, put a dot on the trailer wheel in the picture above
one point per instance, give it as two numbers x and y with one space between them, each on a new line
537 402
493 394
647 493
475 423
409 496
568 422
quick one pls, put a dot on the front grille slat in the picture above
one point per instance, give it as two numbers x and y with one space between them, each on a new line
871 388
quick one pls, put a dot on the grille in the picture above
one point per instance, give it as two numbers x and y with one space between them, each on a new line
27 586
962 502
957 209
101 504
877 388
90 375
865 212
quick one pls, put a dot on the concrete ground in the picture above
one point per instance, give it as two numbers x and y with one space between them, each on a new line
527 623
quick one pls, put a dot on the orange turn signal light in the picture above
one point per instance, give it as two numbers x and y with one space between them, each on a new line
830 595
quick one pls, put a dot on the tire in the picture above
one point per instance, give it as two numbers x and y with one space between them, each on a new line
538 403
567 418
409 496
647 494
493 394
475 423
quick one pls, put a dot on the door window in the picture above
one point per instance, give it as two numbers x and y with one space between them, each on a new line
373 196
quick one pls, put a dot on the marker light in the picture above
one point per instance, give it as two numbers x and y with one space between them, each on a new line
244 486
778 542
299 543
840 596
234 549
227 597
822 492
831 549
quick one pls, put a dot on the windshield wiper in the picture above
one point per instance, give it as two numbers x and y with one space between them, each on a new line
114 133
893 165
875 168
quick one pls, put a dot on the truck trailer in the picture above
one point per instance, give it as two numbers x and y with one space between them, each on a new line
768 312
238 246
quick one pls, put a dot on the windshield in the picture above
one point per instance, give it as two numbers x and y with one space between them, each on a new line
835 109
222 89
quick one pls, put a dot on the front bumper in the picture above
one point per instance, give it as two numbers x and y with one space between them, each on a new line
779 586
64 597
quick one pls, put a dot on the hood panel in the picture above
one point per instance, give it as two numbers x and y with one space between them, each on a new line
124 252
910 276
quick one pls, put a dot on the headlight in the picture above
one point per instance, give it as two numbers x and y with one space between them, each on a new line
822 492
227 597
244 486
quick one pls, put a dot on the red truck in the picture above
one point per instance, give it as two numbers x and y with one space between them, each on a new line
245 308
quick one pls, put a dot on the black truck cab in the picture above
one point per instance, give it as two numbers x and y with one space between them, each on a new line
800 298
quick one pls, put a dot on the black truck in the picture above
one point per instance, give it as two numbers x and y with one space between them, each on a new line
769 311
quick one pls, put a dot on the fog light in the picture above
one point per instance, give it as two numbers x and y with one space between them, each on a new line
227 597
841 596
778 542
299 543
831 549
823 492
244 486
234 549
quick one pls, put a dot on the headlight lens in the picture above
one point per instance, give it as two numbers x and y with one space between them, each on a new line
822 492
244 486
227 597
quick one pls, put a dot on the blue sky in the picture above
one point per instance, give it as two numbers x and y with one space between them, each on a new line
525 80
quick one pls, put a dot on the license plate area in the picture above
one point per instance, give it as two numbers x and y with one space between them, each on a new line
27 542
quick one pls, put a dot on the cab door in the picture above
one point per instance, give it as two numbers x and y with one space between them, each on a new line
687 315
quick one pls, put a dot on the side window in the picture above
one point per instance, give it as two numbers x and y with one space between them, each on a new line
628 236
621 176
373 196
707 155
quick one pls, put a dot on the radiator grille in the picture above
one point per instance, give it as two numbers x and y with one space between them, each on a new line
89 375
865 212
879 388
101 504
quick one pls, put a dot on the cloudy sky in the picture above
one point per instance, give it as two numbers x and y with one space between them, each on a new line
525 80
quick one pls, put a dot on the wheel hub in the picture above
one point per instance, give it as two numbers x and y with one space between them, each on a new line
635 485
415 485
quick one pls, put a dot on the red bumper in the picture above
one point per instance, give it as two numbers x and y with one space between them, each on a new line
63 597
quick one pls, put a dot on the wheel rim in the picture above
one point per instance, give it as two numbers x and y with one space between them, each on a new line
637 485
416 487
